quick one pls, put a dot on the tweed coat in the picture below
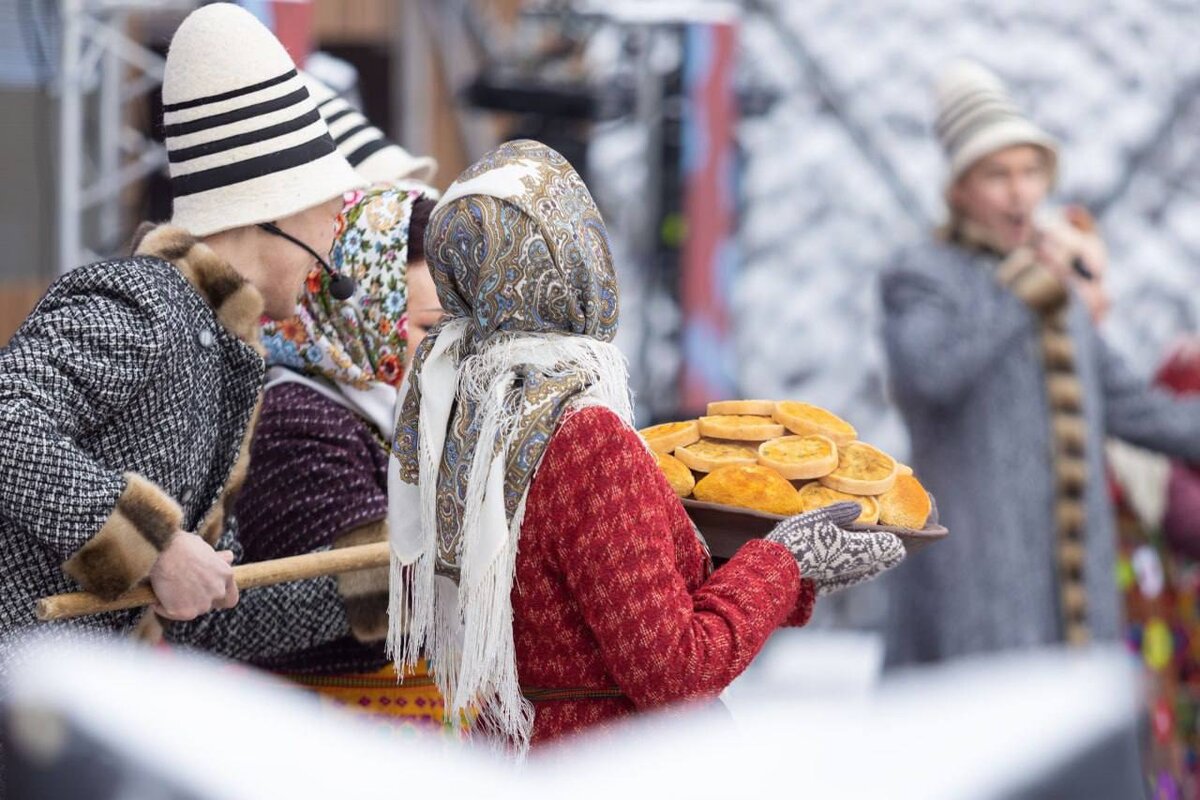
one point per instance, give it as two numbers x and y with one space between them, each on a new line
967 373
127 400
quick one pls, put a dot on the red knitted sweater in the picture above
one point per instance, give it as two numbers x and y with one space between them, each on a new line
613 589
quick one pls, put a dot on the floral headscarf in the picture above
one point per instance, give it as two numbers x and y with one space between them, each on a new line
363 340
521 260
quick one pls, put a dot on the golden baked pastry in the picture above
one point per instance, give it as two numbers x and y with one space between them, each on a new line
666 437
804 419
708 454
903 469
814 496
740 427
749 486
678 475
905 505
753 408
799 457
862 470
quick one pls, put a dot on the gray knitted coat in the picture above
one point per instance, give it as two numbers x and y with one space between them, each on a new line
126 402
966 371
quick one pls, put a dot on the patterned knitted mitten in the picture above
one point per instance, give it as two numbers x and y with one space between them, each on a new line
832 556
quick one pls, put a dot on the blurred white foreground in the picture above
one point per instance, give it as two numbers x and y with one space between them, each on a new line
810 719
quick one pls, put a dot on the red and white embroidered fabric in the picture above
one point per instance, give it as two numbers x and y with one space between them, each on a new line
613 589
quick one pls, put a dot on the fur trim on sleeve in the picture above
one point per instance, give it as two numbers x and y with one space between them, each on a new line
365 593
121 554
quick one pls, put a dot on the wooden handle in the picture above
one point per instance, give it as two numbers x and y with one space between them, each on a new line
247 576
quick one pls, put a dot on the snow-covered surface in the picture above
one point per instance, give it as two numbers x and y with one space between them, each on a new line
985 729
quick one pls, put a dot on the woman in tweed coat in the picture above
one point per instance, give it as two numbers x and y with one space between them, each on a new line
128 395
1009 392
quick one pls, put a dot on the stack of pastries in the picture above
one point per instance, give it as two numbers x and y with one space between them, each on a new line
785 458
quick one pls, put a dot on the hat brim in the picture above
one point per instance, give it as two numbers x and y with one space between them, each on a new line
393 163
994 138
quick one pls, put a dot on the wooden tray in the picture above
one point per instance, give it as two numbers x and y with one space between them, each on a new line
726 528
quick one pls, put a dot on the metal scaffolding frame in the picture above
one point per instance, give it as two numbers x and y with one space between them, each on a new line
99 64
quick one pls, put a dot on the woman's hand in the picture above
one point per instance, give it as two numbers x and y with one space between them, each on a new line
190 578
830 554
1059 246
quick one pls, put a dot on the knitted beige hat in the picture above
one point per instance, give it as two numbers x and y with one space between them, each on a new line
366 148
976 116
244 140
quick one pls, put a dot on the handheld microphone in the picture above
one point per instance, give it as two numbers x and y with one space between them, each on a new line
1081 269
1081 220
341 287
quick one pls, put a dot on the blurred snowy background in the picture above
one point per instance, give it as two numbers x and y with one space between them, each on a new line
843 168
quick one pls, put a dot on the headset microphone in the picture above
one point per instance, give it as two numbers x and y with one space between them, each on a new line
341 286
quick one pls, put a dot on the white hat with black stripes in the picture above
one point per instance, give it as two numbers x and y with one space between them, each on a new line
244 139
976 116
372 154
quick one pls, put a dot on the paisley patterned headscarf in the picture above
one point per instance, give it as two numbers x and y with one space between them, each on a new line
363 340
523 269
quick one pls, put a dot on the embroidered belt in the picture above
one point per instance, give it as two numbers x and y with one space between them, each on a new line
360 681
540 695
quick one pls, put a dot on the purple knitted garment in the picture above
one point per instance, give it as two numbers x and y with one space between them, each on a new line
317 471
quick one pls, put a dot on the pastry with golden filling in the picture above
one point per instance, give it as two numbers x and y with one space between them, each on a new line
862 469
749 486
740 427
708 454
670 435
678 475
803 419
799 457
814 496
905 505
753 408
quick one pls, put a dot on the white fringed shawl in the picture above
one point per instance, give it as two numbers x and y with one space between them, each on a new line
465 630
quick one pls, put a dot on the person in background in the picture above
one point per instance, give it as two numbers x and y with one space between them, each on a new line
1009 392
374 156
128 396
318 474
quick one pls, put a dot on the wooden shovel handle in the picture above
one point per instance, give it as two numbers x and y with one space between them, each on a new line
247 576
